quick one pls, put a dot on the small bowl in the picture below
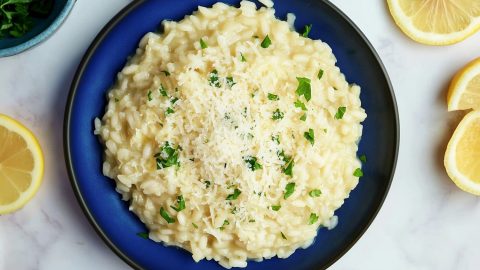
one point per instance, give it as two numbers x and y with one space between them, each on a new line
42 29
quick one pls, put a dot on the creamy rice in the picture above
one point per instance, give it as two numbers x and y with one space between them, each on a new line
211 134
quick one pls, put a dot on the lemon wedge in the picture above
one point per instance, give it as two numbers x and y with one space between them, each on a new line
464 91
462 158
436 22
21 165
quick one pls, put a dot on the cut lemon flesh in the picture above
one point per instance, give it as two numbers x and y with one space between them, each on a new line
464 91
21 165
462 158
436 22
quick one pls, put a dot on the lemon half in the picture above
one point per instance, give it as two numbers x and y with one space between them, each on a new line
462 158
21 165
436 22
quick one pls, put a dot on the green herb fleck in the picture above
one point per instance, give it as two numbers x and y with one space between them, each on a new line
230 82
166 216
304 117
283 235
252 163
242 58
276 138
166 72
315 193
320 74
117 100
276 207
163 91
234 195
181 204
272 97
277 114
149 95
251 220
358 172
289 163
169 111
225 223
307 30
310 136
301 105
234 210
167 157
340 112
289 189
304 88
363 158
173 100
313 219
195 225
203 44
266 42
143 235
207 184
214 80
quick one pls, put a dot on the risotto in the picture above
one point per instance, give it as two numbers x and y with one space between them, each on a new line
233 136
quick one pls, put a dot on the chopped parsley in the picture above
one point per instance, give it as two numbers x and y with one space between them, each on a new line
234 210
266 42
207 184
225 223
230 82
320 74
166 72
313 219
203 44
304 88
283 235
358 172
276 207
363 158
117 100
340 113
214 80
167 157
149 95
276 138
195 225
304 117
166 216
181 204
252 163
242 58
251 220
315 193
273 97
234 195
301 105
289 163
310 136
163 91
143 235
277 115
307 30
289 189
169 111
173 100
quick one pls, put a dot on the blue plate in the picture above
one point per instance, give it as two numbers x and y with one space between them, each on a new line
109 215
42 29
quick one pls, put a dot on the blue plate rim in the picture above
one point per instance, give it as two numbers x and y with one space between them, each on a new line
42 36
67 122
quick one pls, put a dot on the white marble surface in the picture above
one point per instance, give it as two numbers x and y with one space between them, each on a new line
425 223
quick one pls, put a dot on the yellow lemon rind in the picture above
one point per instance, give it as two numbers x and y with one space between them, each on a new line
38 170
